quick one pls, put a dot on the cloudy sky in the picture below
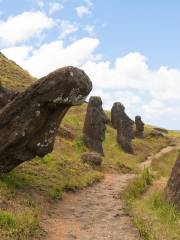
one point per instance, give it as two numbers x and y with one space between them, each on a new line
129 48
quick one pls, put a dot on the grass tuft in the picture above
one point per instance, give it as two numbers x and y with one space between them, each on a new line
137 186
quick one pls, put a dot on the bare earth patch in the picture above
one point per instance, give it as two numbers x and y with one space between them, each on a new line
95 213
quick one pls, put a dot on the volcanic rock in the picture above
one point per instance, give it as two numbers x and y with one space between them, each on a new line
30 122
94 125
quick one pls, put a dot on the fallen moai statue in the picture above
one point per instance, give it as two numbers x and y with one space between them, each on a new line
95 125
124 126
30 122
172 191
139 133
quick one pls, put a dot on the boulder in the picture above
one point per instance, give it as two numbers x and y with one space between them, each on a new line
66 133
155 133
94 125
30 122
91 158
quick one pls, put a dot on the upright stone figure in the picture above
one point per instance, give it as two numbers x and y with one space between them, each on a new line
139 133
30 122
124 126
94 125
172 191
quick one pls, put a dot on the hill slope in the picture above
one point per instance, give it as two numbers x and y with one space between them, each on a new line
28 192
13 76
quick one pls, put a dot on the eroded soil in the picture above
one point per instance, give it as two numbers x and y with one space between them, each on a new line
95 213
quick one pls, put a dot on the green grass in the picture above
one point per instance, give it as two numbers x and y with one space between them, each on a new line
175 134
156 219
152 215
13 76
115 157
137 186
163 165
49 177
18 226
7 220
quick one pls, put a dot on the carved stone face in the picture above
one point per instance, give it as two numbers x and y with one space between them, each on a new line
94 125
137 118
119 106
66 85
95 101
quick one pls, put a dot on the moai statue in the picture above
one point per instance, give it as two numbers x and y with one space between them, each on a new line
29 122
139 133
172 191
95 125
124 126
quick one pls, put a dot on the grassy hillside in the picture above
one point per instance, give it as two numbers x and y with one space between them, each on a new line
153 216
13 76
40 182
29 191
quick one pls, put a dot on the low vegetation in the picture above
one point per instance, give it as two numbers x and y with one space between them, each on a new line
44 180
153 216
13 76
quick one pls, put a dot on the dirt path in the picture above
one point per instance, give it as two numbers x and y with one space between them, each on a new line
96 213
93 214
165 150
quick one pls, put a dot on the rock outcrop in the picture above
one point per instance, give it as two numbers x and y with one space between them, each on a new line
30 122
139 133
94 125
172 191
155 133
163 130
124 126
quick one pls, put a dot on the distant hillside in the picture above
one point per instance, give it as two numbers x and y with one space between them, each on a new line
12 76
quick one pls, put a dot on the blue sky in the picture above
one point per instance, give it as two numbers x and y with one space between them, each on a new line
129 48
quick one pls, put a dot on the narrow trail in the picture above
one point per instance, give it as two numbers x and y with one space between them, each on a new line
163 151
96 213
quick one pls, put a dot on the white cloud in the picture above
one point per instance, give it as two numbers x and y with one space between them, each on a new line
55 7
53 55
18 53
23 27
85 9
154 94
82 11
89 29
67 28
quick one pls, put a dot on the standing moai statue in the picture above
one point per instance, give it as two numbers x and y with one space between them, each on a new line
95 125
124 126
139 133
172 191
